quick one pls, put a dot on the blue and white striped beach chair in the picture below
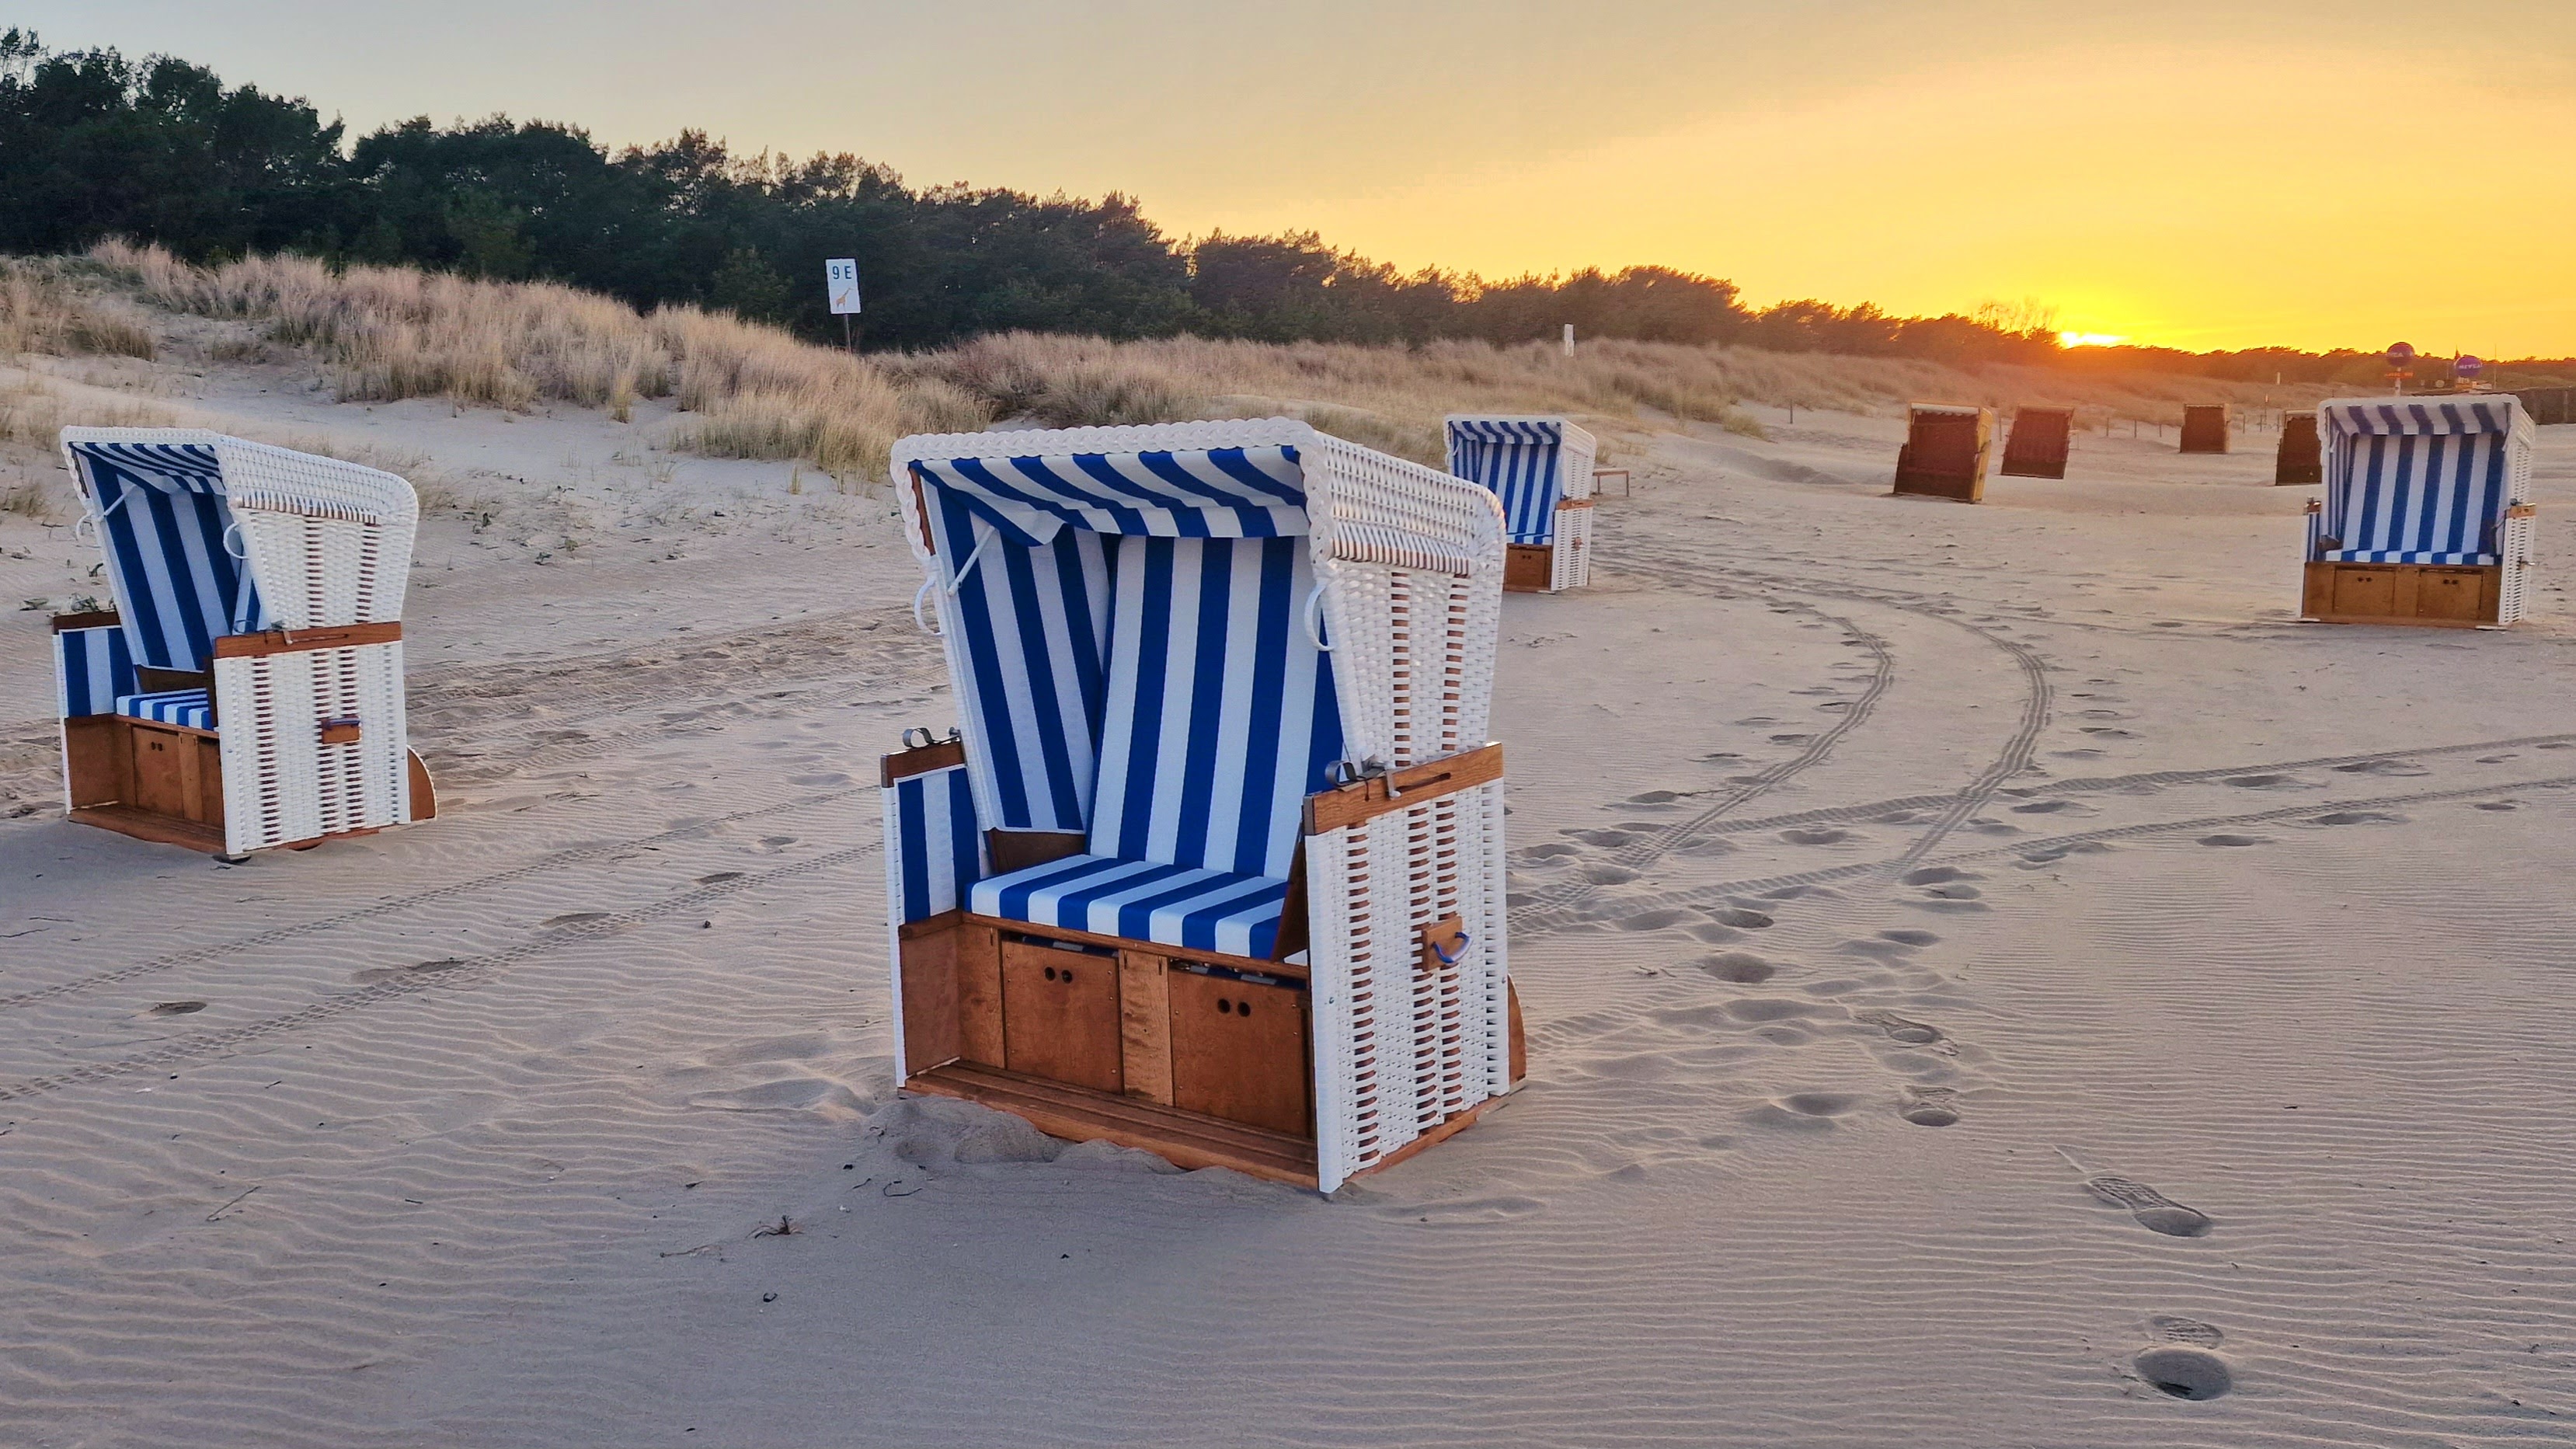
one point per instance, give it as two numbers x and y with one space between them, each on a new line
1212 864
2426 517
1540 469
246 691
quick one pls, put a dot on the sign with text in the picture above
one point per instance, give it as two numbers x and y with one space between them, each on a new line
841 283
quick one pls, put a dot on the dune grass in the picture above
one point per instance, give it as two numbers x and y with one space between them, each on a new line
748 390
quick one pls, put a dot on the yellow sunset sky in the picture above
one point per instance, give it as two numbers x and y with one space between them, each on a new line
2187 173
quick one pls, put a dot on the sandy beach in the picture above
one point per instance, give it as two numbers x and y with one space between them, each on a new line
1884 871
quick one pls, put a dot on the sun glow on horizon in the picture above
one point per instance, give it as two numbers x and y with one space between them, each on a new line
2091 339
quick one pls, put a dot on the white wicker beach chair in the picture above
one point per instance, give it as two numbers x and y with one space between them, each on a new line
1541 471
1213 863
247 691
2426 517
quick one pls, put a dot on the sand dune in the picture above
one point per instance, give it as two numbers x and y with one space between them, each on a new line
1982 965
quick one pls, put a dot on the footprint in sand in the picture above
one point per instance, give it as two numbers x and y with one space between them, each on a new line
1742 919
720 877
1607 874
2174 1328
575 918
2153 1210
174 1008
1603 839
1803 1111
1741 967
2184 1372
1928 1106
2359 817
1816 837
2233 840
1898 1028
2383 767
2496 805
1652 920
2043 807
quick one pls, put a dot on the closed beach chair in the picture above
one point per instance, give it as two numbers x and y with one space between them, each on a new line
2426 517
2039 443
2298 461
2207 429
1945 452
247 689
1212 863
1540 469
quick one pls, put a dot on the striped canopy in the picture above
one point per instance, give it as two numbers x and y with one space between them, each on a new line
1520 460
164 523
2413 480
1252 492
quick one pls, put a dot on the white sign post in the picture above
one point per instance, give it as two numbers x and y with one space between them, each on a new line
841 284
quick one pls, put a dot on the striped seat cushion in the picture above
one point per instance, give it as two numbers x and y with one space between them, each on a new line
1171 905
189 707
1219 715
2403 555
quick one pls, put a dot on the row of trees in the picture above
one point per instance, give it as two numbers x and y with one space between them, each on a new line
160 150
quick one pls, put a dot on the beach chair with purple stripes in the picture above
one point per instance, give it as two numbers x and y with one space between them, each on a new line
1211 863
247 689
2426 517
1540 470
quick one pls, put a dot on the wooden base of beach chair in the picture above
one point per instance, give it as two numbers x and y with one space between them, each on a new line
2442 596
1199 1057
157 782
165 783
1529 568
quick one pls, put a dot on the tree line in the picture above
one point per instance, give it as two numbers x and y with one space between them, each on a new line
93 145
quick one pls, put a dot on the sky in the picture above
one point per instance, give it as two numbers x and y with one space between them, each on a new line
2310 173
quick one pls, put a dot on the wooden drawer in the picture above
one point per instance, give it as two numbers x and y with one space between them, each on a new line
1239 1051
1060 1015
2369 593
2452 593
175 772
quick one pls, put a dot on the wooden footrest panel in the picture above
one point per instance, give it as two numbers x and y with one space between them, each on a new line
1079 1114
148 825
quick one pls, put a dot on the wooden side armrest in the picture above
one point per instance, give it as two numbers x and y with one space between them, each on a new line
93 619
296 641
1366 799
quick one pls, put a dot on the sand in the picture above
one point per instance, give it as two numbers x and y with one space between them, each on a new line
1982 964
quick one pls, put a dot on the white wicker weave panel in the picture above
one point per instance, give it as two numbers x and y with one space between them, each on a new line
1571 565
281 783
1399 1050
317 572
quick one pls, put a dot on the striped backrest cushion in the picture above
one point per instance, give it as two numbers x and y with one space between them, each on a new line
92 667
1027 627
934 850
1221 716
1519 461
2406 494
162 522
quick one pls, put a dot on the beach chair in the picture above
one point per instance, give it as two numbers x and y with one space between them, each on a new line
247 689
1945 452
2427 511
2038 444
1212 864
1541 470
2298 461
2206 429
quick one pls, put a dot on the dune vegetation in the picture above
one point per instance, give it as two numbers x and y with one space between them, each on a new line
740 389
